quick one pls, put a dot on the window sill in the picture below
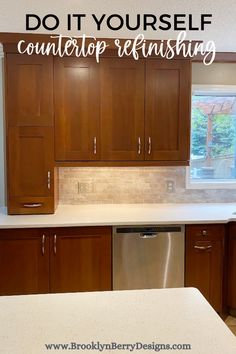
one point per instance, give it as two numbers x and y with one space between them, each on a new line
211 184
208 183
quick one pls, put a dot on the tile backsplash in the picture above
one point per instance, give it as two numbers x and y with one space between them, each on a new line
95 185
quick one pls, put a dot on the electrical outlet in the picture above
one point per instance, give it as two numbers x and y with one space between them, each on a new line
170 186
85 187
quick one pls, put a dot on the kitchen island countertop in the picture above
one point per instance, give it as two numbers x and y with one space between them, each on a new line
124 214
167 316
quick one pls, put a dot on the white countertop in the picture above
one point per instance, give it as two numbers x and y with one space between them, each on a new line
124 214
166 316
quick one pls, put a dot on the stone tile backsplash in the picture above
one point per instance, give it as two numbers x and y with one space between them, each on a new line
95 185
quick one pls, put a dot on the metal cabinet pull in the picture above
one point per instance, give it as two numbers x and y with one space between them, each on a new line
43 245
149 145
49 180
202 247
204 233
32 205
55 244
139 145
95 145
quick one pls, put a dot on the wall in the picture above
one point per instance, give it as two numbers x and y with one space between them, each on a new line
132 185
215 74
222 29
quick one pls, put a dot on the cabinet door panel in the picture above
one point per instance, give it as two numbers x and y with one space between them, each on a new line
205 262
122 109
24 262
81 259
29 90
30 161
168 92
77 109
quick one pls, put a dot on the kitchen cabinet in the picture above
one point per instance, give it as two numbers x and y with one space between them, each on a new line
205 248
122 109
30 163
31 175
167 121
80 259
24 262
55 260
231 281
29 94
77 109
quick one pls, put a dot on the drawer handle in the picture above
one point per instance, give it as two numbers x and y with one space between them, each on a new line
204 233
139 145
49 180
149 145
43 245
95 145
55 244
202 247
33 205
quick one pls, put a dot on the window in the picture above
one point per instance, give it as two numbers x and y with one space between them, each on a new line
213 133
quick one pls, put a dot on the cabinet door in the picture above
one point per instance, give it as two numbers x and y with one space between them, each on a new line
77 109
30 170
24 262
122 109
205 261
81 259
168 89
231 299
29 82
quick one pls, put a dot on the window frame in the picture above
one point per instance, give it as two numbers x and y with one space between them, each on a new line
210 90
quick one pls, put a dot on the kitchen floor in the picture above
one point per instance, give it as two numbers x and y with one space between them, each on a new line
231 323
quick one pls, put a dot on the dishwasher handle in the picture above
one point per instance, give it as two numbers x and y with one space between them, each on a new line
147 235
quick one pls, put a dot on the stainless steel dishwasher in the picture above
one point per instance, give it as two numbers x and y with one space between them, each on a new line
146 257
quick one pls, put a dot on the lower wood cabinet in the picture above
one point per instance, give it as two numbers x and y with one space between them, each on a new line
205 248
80 259
36 261
231 271
24 266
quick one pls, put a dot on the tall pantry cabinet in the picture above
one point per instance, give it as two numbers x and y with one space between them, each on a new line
30 134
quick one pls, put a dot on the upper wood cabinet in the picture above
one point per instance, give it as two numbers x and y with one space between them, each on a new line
122 109
77 109
29 90
167 124
205 249
30 170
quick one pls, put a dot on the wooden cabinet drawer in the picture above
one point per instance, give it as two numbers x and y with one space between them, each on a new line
31 205
205 231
